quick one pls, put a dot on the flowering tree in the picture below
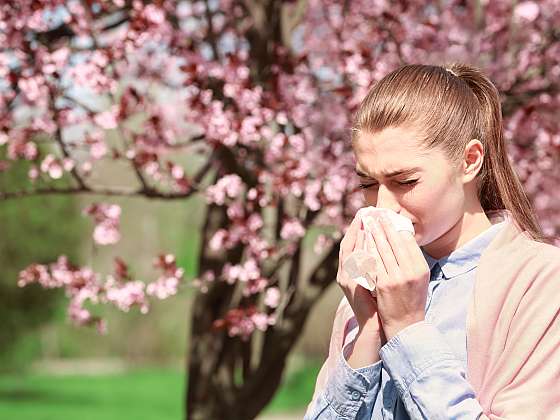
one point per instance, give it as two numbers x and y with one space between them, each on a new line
263 92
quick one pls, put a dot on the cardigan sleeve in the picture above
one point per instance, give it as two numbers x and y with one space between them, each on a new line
522 381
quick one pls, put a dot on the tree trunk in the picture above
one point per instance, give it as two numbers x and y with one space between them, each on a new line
222 381
212 391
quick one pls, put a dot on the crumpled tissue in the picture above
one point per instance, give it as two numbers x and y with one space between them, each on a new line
360 264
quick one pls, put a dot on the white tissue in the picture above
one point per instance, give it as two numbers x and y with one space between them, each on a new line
360 264
399 222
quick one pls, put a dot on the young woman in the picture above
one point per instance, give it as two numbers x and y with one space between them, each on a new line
465 321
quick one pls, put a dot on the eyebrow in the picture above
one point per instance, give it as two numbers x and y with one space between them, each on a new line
406 171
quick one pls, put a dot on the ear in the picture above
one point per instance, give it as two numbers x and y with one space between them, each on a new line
473 158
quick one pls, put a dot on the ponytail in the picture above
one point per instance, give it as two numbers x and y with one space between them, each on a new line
498 186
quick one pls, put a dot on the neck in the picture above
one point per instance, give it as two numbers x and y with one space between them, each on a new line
467 227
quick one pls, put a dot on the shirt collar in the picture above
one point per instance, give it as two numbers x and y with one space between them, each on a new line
465 258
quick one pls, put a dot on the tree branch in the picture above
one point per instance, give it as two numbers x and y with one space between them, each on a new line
98 191
59 140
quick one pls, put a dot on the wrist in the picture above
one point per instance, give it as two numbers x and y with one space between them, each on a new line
364 350
371 326
392 330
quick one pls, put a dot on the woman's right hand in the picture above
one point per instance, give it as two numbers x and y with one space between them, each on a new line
363 303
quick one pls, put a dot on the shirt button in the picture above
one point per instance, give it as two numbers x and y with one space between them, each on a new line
356 395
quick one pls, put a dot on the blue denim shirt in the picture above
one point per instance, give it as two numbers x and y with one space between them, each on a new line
422 371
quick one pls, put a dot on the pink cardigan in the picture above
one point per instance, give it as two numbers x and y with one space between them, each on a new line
513 328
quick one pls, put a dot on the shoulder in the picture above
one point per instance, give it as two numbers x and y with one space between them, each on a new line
541 254
538 271
518 271
523 252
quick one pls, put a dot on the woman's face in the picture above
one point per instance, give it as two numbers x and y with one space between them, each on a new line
431 193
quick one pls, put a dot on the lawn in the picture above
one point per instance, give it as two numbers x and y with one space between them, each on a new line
148 394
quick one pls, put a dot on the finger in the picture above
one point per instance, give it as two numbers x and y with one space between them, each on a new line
414 250
379 268
385 250
369 242
398 244
349 240
359 240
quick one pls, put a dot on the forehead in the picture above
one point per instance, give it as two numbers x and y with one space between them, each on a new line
389 150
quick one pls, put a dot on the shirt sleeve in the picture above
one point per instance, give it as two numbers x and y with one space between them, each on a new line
349 393
430 379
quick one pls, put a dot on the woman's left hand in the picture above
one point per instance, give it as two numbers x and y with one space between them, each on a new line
402 279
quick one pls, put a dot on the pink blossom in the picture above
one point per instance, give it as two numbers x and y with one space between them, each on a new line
106 233
242 272
98 149
35 273
126 295
167 284
107 222
235 211
272 297
252 194
292 229
177 172
154 14
312 190
86 167
217 240
78 314
33 173
322 243
255 222
68 164
106 120
230 186
32 88
260 321
528 10
52 166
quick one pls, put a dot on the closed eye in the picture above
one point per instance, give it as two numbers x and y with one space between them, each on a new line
374 184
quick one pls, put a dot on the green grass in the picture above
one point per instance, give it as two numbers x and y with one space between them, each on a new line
140 395
297 389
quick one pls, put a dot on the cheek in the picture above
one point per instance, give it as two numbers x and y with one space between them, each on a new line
370 197
435 209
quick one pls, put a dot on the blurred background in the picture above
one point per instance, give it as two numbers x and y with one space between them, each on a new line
136 97
51 369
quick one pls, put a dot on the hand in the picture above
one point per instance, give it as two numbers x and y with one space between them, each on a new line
361 300
402 279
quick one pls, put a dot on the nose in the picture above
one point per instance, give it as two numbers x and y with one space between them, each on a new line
387 200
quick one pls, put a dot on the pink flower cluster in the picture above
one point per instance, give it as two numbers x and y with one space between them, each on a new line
107 222
247 273
83 286
55 167
292 229
243 322
167 284
227 187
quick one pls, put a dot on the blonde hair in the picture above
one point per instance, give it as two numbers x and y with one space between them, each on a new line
451 105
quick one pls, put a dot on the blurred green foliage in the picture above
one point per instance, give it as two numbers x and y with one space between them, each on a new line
32 229
150 393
